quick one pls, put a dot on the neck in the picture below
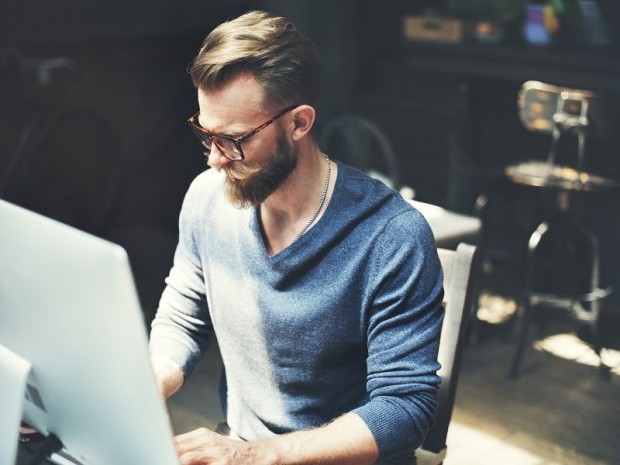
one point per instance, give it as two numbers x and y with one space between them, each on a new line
287 211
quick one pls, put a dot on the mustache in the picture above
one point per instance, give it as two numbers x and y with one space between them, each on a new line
240 171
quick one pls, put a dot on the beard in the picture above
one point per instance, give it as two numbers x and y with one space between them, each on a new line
249 185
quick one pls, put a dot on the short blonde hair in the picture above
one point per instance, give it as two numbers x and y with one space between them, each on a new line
270 47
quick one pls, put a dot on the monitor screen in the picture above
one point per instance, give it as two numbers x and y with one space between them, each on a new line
68 305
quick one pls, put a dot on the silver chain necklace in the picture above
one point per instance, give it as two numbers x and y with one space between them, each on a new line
321 201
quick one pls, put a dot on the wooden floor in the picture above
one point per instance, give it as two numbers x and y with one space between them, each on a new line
559 412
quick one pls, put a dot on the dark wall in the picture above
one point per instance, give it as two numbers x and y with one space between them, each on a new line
38 21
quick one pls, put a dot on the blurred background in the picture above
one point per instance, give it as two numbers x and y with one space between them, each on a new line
94 97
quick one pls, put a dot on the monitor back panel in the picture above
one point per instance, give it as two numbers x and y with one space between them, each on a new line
68 305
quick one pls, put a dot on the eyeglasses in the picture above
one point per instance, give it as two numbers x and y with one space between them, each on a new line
229 146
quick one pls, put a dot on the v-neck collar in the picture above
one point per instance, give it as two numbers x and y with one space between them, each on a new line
324 220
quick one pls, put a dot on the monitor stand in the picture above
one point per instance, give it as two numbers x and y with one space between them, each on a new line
14 371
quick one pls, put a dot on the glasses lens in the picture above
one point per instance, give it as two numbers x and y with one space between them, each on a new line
228 148
203 138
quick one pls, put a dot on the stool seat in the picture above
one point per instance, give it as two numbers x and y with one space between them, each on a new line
541 174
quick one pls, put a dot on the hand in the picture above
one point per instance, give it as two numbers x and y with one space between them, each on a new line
204 447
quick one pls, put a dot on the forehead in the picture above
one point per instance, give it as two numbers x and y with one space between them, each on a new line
237 105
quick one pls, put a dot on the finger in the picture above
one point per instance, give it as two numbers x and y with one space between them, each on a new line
203 438
199 434
200 447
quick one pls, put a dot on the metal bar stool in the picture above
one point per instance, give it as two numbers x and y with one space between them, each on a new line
563 255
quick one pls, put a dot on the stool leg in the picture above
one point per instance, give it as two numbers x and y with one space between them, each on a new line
595 307
526 317
513 372
597 345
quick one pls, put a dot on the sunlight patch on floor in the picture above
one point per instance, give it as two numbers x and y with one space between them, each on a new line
495 309
568 346
469 446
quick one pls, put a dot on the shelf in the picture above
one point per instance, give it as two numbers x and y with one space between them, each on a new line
596 69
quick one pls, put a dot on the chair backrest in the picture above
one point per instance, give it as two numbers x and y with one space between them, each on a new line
458 267
359 142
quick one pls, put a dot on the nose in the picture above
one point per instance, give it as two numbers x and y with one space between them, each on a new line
216 159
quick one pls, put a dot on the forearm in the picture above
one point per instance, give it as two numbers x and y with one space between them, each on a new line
346 440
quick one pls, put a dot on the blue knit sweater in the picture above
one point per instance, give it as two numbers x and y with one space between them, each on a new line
345 319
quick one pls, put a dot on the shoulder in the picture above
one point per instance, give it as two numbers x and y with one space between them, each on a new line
206 183
204 190
382 208
203 203
405 222
405 241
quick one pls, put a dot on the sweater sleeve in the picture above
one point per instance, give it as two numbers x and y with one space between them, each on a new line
182 327
404 324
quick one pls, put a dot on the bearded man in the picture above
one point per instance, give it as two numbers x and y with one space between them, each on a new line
322 285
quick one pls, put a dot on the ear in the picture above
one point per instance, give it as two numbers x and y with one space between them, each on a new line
303 120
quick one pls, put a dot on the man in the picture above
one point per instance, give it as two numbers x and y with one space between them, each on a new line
322 285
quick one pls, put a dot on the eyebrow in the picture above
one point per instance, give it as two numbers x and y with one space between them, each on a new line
231 134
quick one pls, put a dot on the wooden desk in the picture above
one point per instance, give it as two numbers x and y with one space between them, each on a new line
449 228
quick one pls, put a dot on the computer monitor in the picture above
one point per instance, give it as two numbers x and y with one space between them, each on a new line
68 305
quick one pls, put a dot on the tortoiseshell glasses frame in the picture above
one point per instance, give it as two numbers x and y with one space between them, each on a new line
229 146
